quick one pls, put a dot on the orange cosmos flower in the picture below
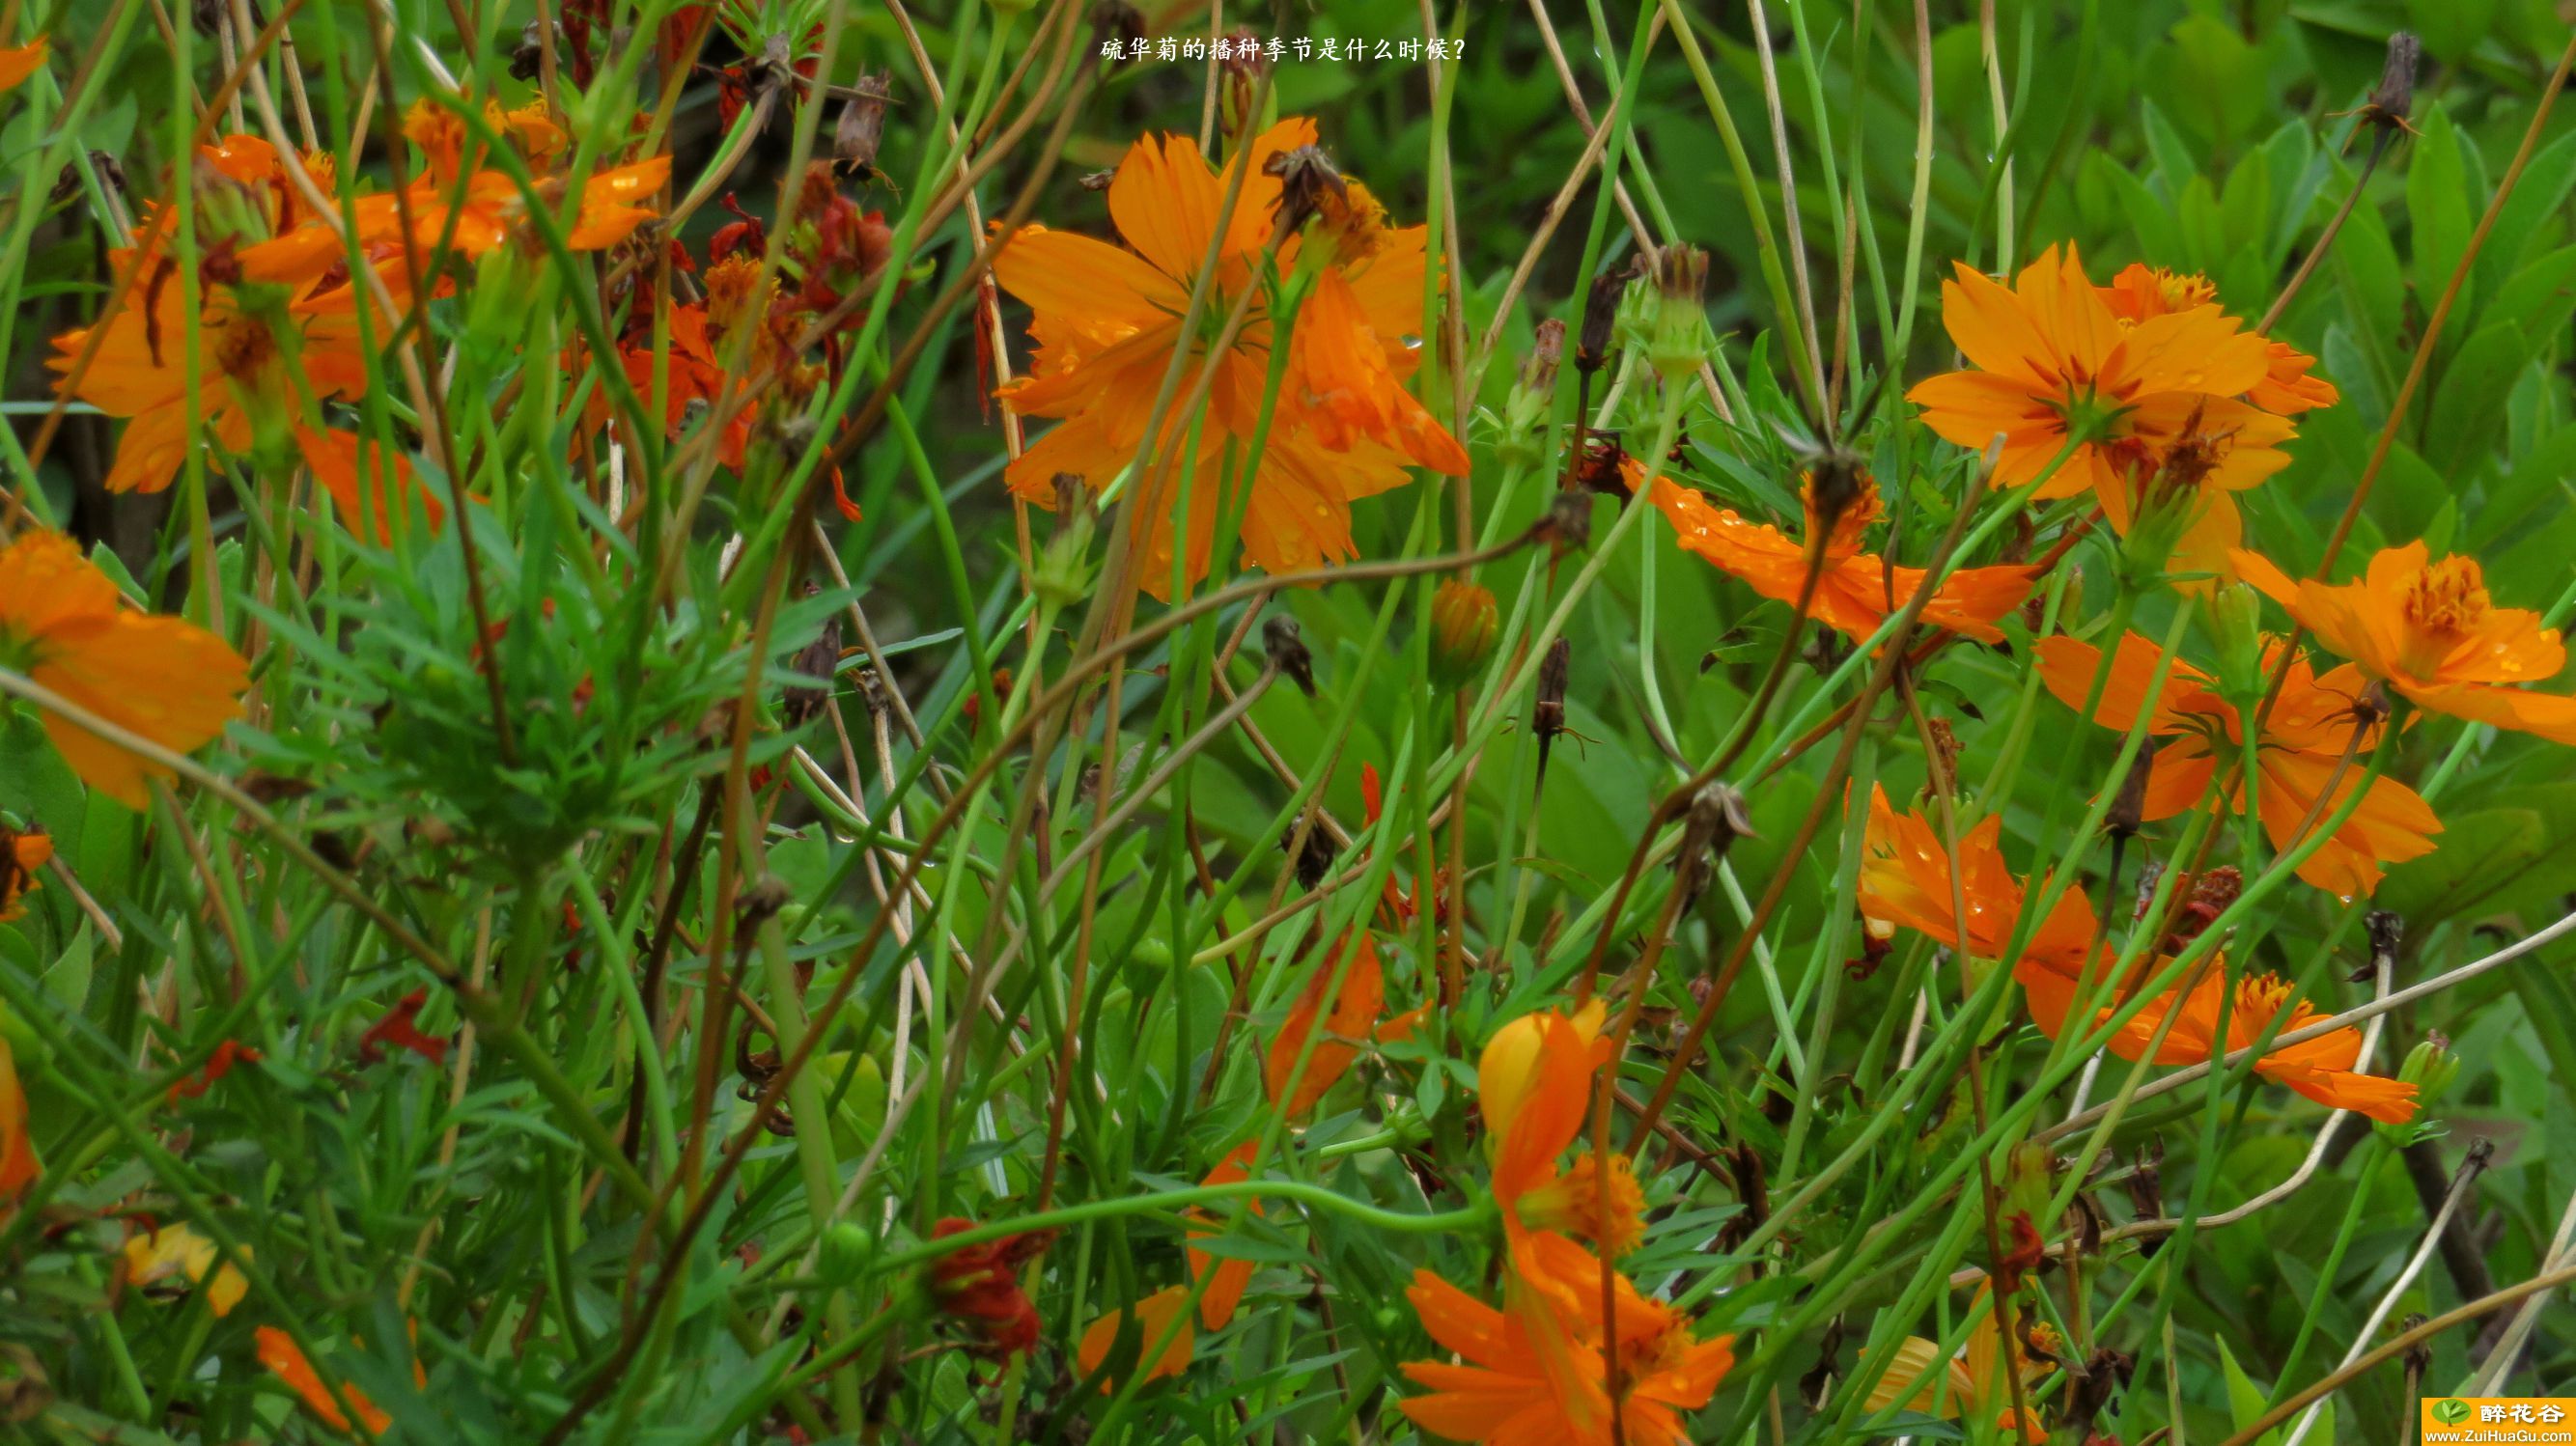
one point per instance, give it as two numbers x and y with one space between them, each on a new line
21 854
19 1166
2430 632
2300 750
1534 1087
1905 879
2320 1068
63 624
260 358
1855 591
1233 1274
2053 361
1535 1371
278 1352
1971 1385
2142 292
177 1252
1352 1022
19 62
1108 322
1151 1316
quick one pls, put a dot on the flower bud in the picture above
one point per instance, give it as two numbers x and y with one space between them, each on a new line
1679 340
1523 444
1239 81
2232 615
2430 1067
1464 620
845 1252
1064 567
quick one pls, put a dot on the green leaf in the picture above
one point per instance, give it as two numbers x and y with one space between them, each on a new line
2478 851
2245 1400
2450 29
2438 210
2470 401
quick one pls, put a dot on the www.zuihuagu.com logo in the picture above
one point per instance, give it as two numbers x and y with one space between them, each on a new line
2451 1412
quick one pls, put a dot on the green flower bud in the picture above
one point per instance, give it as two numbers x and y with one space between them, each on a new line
2232 616
847 1249
1064 574
2430 1067
1678 340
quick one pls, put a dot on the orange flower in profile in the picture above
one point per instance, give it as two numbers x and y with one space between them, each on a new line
21 854
64 625
2300 750
1352 1022
278 1352
1534 1371
1855 591
2320 1068
1971 1385
1534 1087
1905 879
1107 326
19 62
2054 362
345 463
19 1166
1147 1319
2429 631
1233 1274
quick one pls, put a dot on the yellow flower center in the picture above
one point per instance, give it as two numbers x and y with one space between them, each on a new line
2444 603
1609 1210
2448 598
2181 291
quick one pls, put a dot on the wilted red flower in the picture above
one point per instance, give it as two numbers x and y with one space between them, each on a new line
227 1054
980 1285
399 1029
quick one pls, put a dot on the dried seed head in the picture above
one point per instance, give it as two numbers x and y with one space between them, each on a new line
1837 478
819 659
2095 1383
1287 650
1945 751
1547 349
2146 1187
1603 467
1306 176
1119 21
1314 861
2394 96
2129 805
2419 1356
1717 818
1098 180
1547 715
528 57
861 128
1569 519
1601 314
2387 930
